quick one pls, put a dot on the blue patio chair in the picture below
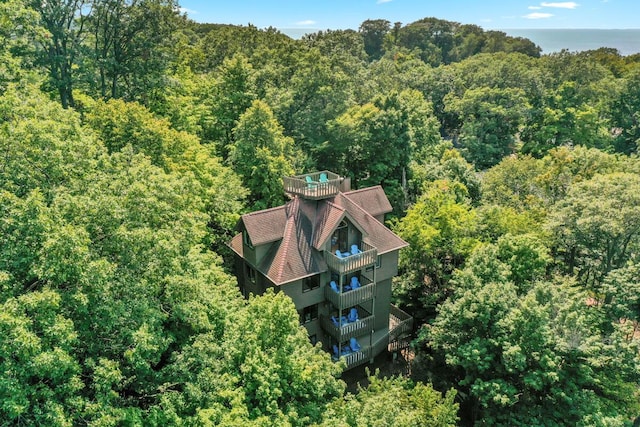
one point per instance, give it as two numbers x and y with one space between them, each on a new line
355 283
334 319
323 177
353 315
355 250
344 320
310 182
334 286
336 352
353 343
339 254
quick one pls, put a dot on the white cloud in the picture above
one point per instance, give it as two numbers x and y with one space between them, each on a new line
383 1
187 11
306 22
535 7
538 15
561 5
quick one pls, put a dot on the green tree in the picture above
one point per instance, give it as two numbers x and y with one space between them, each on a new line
259 370
533 354
439 230
413 405
625 114
373 33
65 22
128 42
262 155
40 381
19 31
597 226
373 143
231 96
491 118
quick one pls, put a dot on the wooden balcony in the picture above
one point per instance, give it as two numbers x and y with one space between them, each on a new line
367 353
345 331
358 358
400 323
353 297
351 263
310 185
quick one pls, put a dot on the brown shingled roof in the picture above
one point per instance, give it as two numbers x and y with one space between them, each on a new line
265 226
378 234
328 217
371 199
300 228
294 258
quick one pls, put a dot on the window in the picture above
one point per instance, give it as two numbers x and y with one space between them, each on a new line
251 274
310 283
339 240
247 239
379 261
308 314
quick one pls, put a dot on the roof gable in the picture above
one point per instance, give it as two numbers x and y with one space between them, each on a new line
265 226
371 199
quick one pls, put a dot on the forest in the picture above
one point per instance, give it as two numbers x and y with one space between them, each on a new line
132 139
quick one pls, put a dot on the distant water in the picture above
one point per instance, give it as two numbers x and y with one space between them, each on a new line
554 40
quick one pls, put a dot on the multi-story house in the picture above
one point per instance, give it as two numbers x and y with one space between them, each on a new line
328 249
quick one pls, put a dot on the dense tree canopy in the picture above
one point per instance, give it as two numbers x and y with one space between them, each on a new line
132 139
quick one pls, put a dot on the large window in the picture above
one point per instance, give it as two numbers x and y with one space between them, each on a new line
308 314
310 283
340 238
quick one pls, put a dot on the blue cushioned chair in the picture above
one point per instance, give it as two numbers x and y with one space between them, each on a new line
334 286
355 283
355 250
353 315
323 177
353 343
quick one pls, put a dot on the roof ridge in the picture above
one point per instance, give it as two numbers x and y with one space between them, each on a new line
289 227
263 211
360 190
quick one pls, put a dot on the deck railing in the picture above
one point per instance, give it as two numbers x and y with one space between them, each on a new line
400 323
310 185
353 297
358 358
351 263
348 330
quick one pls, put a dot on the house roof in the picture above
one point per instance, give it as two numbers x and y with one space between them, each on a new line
294 258
265 226
371 199
327 220
299 230
378 235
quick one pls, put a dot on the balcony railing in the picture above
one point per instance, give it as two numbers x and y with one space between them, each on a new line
358 358
346 330
353 297
351 263
400 323
314 186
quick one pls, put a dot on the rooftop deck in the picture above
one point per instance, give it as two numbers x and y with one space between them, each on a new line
313 185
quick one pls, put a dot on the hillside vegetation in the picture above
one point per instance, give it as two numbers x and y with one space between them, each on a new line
132 139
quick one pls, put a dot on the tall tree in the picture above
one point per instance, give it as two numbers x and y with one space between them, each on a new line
262 155
65 21
373 33
127 38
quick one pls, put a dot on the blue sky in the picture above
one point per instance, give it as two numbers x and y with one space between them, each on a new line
489 14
